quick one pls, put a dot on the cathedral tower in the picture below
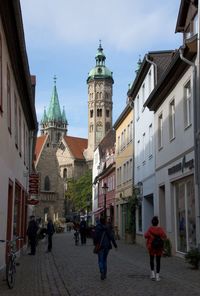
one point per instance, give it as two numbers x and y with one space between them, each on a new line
100 104
54 123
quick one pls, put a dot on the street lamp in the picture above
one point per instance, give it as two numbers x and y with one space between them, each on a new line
104 188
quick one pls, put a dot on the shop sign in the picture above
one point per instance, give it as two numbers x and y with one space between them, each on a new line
181 166
34 184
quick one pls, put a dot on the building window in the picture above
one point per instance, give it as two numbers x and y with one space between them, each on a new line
160 131
143 148
64 173
150 141
91 113
107 113
8 100
91 128
138 153
187 104
149 81
107 126
118 144
138 108
1 90
20 130
16 122
99 112
47 183
131 131
143 95
172 120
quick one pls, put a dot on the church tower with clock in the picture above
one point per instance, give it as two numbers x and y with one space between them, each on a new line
100 105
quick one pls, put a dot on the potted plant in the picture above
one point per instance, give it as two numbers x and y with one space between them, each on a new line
193 257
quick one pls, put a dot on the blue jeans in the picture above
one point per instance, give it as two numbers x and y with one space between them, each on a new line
102 260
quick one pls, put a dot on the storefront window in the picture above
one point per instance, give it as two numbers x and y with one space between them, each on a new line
191 215
185 215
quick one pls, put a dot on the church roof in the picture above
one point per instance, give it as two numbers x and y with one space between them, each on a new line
54 112
39 144
76 146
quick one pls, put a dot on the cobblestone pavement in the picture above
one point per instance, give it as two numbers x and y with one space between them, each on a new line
72 270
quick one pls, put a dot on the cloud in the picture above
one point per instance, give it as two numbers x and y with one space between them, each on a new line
124 24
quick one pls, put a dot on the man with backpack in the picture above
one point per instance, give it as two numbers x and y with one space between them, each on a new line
155 237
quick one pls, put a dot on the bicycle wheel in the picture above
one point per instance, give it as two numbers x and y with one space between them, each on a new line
10 273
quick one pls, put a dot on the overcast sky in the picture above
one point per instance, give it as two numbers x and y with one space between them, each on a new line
62 38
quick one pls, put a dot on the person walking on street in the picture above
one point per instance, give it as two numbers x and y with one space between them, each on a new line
155 236
32 234
103 237
50 232
82 230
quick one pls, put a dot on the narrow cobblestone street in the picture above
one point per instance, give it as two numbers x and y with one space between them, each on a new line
72 270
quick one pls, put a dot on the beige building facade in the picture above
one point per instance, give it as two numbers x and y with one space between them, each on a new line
124 167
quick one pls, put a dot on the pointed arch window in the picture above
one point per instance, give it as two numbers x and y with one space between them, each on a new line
47 183
91 113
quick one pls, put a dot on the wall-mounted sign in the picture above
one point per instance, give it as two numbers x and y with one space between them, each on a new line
181 166
34 180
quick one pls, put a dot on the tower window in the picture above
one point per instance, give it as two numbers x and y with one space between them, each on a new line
107 113
64 173
91 113
91 128
99 112
47 183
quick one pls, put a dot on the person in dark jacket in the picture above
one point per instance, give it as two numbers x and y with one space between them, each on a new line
103 236
82 230
50 232
32 234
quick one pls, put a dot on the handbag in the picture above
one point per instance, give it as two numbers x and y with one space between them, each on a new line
98 245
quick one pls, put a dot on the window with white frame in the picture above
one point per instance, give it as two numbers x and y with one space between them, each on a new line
150 140
172 119
143 147
143 95
160 131
124 138
187 104
138 153
138 107
16 121
128 133
124 173
131 168
149 81
118 144
131 131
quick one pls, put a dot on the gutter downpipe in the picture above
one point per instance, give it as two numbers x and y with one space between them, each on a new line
155 66
154 156
196 138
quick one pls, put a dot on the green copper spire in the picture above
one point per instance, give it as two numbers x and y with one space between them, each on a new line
44 117
100 71
138 65
64 119
54 113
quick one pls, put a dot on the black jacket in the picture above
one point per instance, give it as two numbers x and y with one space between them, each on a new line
108 237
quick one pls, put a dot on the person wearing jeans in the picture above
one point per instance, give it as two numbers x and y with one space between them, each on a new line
104 237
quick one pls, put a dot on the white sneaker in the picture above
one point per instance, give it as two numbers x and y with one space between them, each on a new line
157 277
152 275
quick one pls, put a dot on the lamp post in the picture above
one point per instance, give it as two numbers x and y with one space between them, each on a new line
104 188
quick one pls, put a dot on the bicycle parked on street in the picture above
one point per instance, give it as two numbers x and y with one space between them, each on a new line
11 261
